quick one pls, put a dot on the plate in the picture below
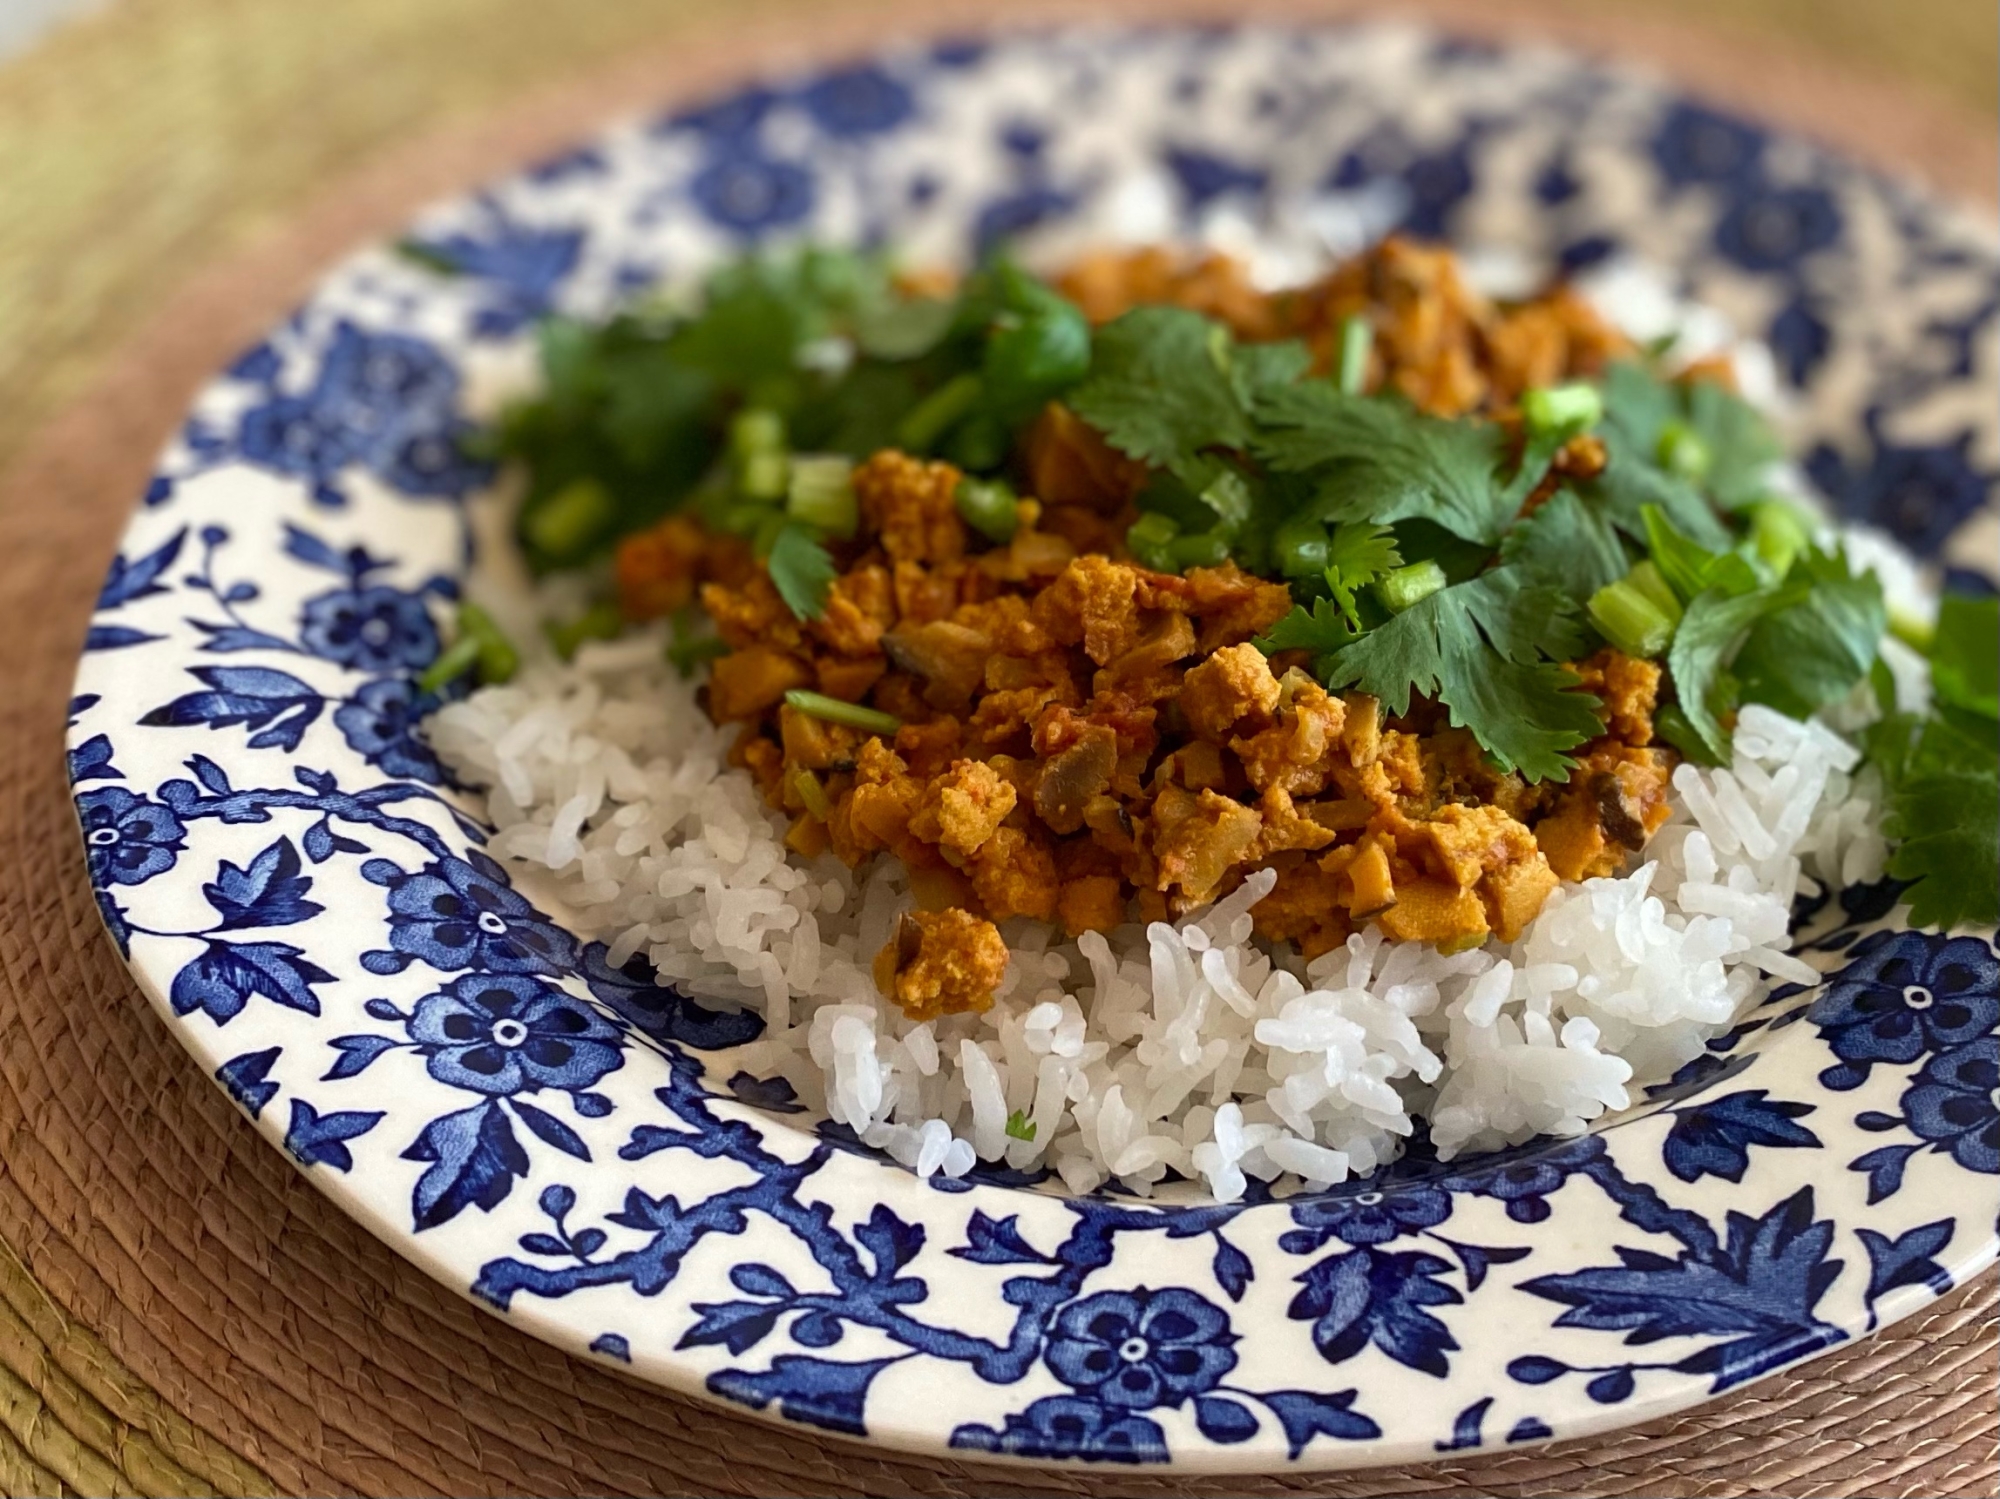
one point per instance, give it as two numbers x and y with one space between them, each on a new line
305 900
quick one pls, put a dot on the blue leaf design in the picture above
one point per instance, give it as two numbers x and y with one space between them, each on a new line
1374 1295
556 1201
1906 1259
1758 1289
1529 1429
991 1242
1478 1258
314 1140
356 1052
91 761
271 892
544 1244
211 775
612 1345
1715 1138
279 706
1467 1427
1884 1166
244 1077
760 1280
1610 1388
551 1130
1223 1420
1306 1414
115 637
647 1214
738 1326
141 578
815 1391
588 1242
476 1161
1533 1368
1232 1268
224 638
893 1242
220 982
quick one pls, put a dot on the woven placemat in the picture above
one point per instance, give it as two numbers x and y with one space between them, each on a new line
180 1312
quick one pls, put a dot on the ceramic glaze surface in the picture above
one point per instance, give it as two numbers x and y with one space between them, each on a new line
305 898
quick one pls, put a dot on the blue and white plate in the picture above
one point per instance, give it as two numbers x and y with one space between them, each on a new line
306 902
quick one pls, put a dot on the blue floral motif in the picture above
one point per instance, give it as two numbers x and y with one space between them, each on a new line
1955 1104
1134 1350
385 400
1903 995
635 993
858 101
1919 492
1064 1426
1370 1215
128 838
373 629
519 267
1715 1137
1525 1184
379 719
1697 145
1773 230
752 193
462 913
502 1034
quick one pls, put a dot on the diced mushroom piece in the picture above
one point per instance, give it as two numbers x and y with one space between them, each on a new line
951 659
1068 780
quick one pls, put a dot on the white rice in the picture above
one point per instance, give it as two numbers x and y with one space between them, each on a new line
1190 1047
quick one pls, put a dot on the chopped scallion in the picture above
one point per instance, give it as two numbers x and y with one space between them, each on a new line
1779 534
1646 577
1684 451
1209 549
1357 341
822 493
1630 620
989 507
1020 1126
569 522
1150 536
1300 549
1408 586
812 794
755 430
1562 410
938 412
763 476
453 662
601 621
833 710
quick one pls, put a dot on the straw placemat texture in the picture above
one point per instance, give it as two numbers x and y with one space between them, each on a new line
180 1312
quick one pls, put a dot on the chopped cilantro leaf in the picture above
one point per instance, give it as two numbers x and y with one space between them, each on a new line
1641 410
1478 648
1356 556
1380 460
1567 544
1323 629
1965 654
1020 1126
1801 658
1691 568
1948 824
1702 648
801 570
1161 387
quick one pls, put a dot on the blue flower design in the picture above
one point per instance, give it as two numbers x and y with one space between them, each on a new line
380 721
1698 145
290 435
1373 1215
858 101
752 193
1904 995
373 629
1067 1426
461 913
129 839
502 1034
434 463
1133 1350
1921 492
636 993
383 386
1774 230
1955 1104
